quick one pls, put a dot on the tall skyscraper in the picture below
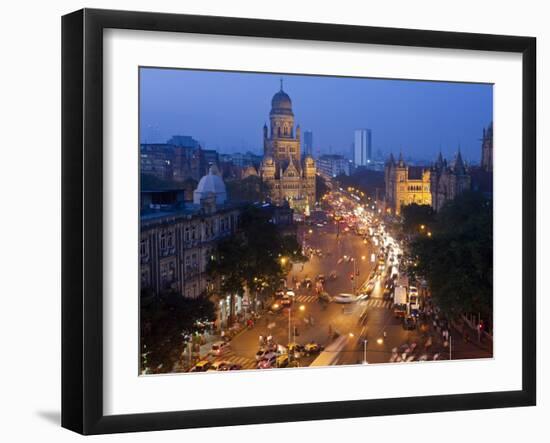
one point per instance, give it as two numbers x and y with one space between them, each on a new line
362 149
308 143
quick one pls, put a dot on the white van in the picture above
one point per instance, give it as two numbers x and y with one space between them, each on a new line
344 298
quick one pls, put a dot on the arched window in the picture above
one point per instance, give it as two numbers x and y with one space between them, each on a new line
279 131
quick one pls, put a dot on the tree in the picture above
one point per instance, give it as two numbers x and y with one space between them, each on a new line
321 187
415 216
457 260
165 322
255 257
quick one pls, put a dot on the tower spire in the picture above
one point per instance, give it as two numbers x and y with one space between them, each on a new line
281 80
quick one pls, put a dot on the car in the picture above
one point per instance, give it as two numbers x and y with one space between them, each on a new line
286 301
409 323
344 298
282 361
290 293
325 297
263 352
201 366
313 348
333 275
231 367
220 347
370 287
280 293
294 348
267 362
218 365
321 278
276 307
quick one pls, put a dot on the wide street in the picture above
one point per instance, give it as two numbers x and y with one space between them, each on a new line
344 253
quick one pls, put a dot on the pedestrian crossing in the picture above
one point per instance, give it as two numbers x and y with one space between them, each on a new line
371 302
246 363
306 298
377 303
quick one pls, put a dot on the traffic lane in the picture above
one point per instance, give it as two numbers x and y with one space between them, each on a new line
334 250
247 343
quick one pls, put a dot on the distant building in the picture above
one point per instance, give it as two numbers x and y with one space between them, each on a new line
183 141
289 177
406 185
446 182
330 166
362 148
308 143
487 149
280 216
242 160
157 160
178 160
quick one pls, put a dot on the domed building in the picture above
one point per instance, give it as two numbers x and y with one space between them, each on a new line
289 177
211 185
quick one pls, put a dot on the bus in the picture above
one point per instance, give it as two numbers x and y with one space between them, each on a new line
331 355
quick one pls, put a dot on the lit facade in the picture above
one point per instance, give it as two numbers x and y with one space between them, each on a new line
288 176
406 185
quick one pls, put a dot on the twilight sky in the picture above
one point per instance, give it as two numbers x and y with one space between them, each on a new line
227 110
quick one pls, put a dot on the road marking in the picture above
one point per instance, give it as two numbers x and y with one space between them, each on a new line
246 363
306 298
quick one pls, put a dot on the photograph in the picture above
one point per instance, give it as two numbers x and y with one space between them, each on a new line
301 221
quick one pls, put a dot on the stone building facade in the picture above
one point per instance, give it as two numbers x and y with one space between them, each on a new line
406 185
487 149
177 239
446 182
288 176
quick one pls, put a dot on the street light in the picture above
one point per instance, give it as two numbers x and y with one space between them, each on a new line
302 308
365 341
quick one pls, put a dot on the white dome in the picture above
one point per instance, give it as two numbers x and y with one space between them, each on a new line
210 184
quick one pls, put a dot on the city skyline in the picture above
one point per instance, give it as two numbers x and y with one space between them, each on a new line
417 118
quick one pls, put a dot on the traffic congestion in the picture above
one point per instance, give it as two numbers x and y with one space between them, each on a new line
351 302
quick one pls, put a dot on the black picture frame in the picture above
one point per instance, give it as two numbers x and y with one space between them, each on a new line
82 217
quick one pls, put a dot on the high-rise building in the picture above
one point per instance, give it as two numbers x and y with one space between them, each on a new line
332 165
362 149
308 143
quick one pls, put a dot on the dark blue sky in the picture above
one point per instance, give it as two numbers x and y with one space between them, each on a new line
226 111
